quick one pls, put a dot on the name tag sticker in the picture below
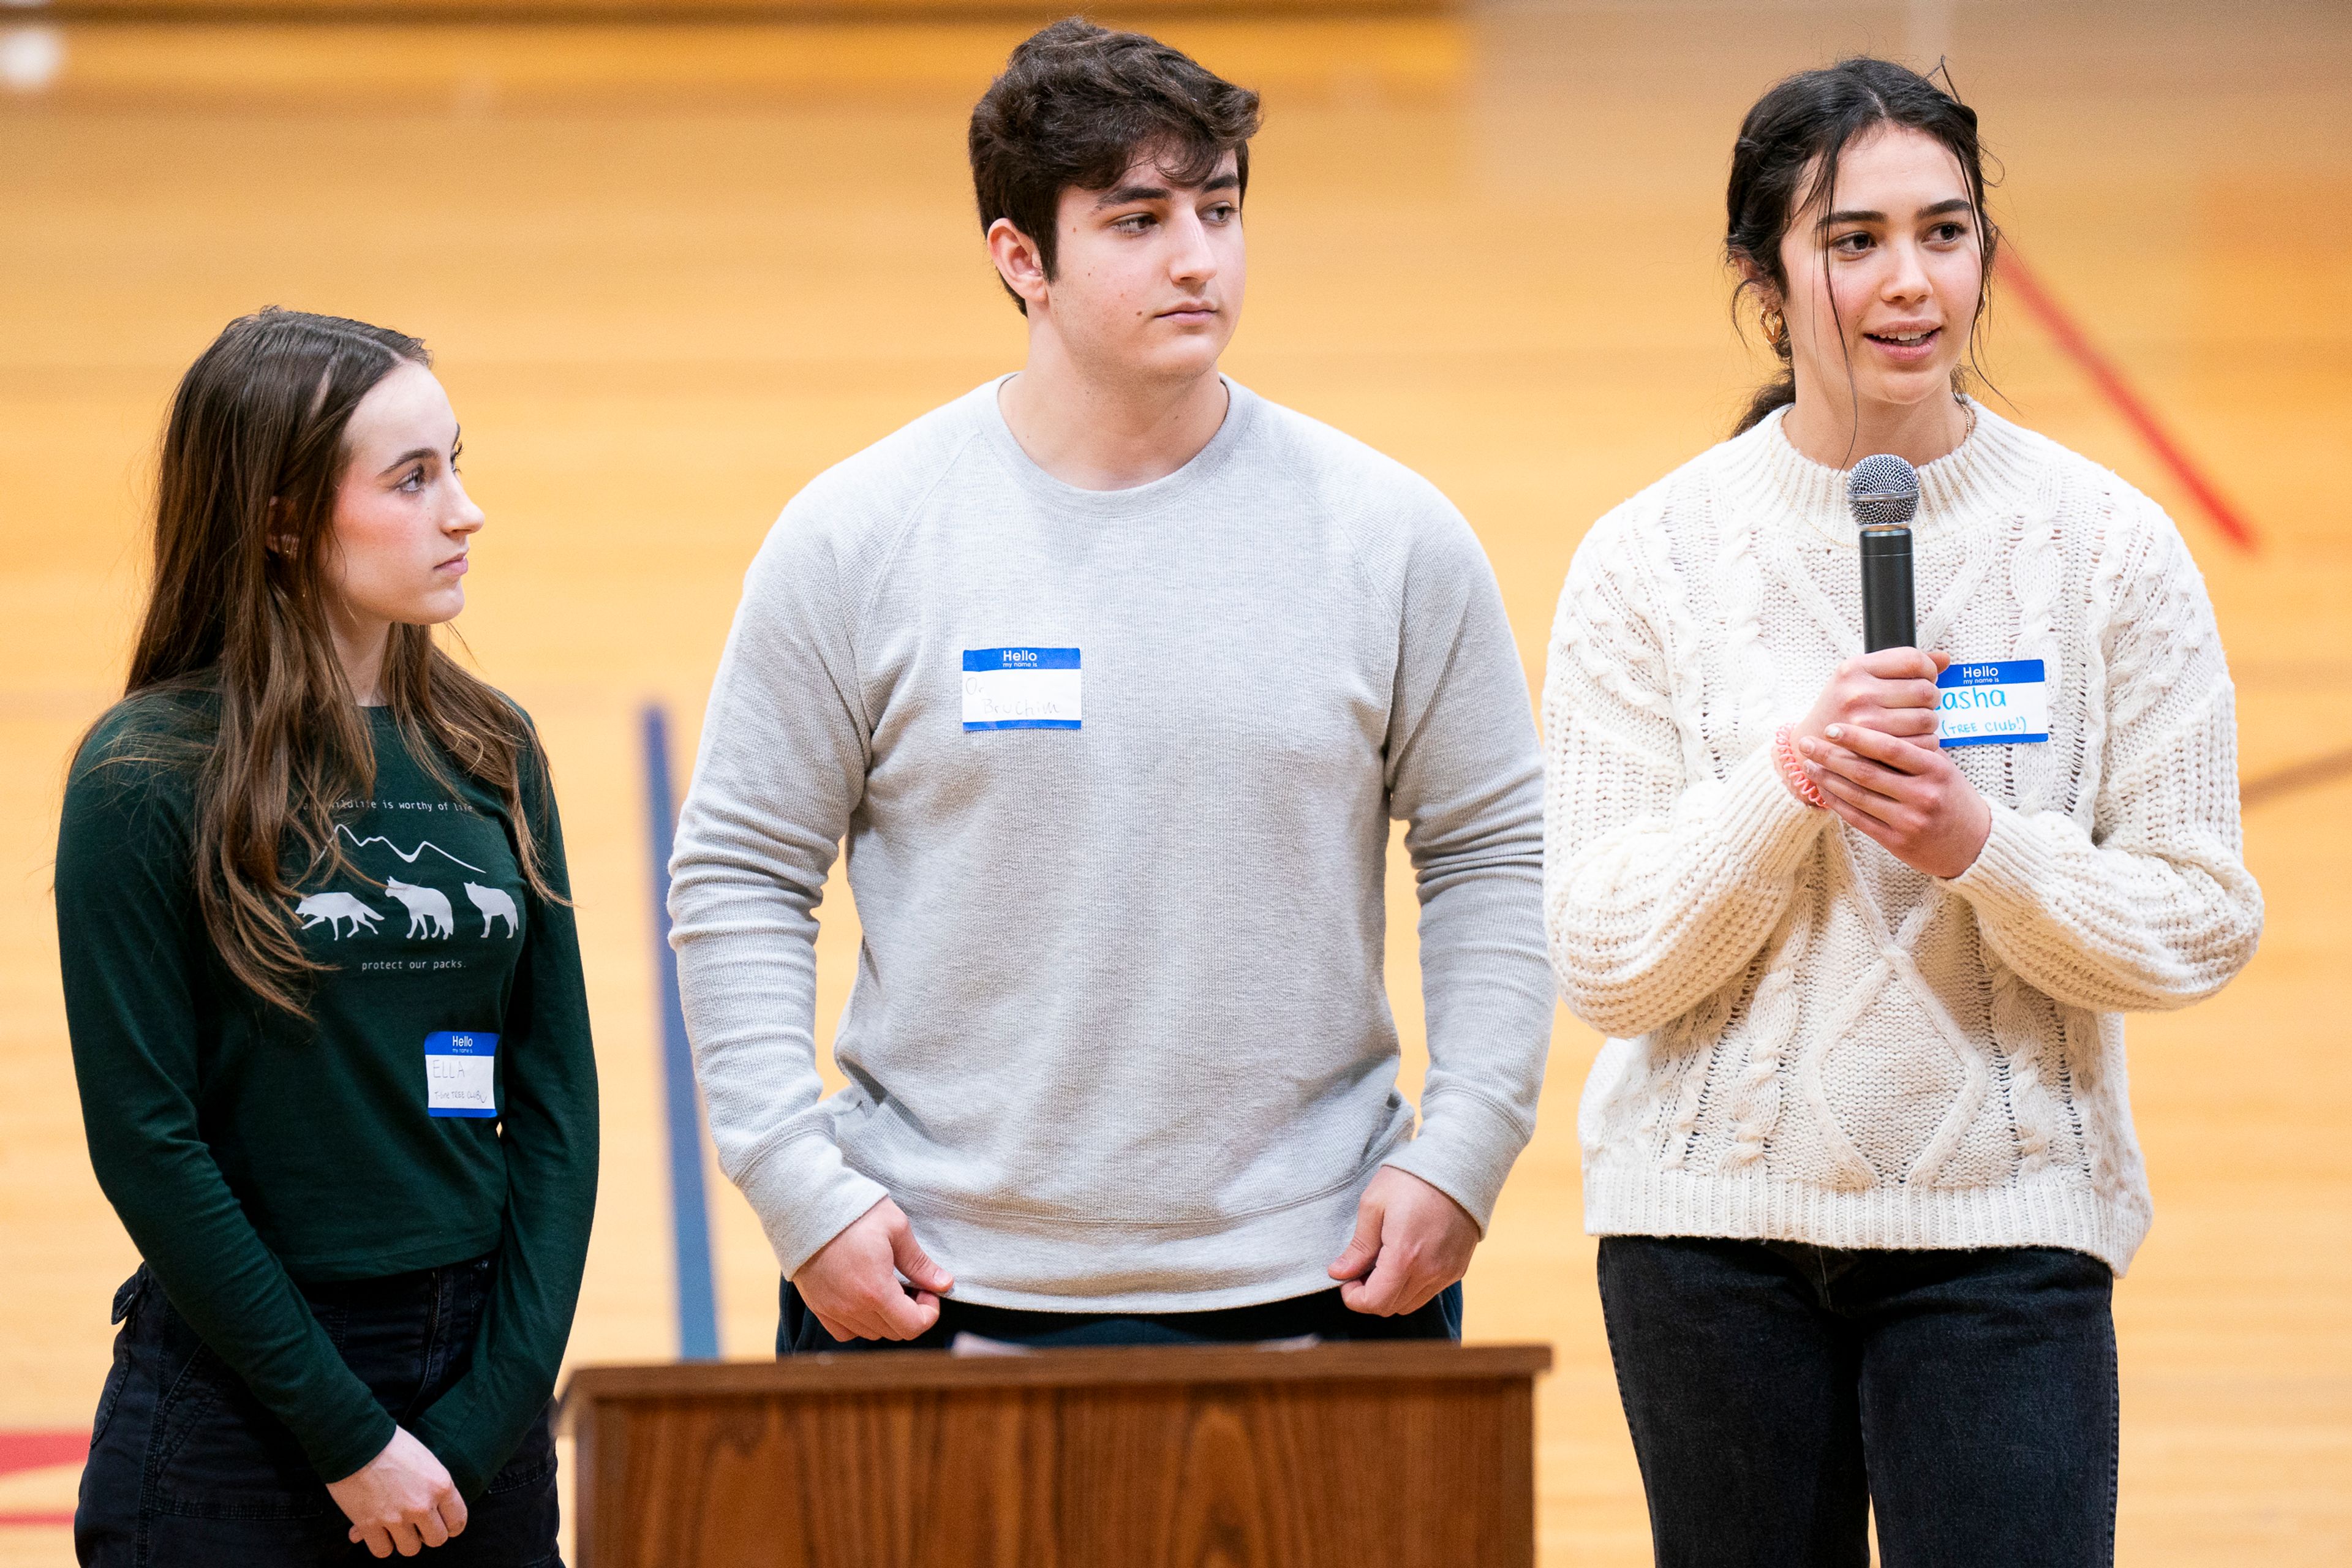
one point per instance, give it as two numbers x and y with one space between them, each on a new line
461 1072
2004 703
1021 689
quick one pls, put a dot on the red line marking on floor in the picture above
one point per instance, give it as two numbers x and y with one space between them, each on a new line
2078 346
39 1450
2296 777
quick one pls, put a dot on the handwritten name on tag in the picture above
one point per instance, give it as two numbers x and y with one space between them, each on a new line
461 1072
2002 703
1021 689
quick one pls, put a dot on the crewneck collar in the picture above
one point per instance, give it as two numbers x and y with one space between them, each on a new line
1973 485
1122 505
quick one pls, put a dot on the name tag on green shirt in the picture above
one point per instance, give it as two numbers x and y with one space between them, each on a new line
461 1072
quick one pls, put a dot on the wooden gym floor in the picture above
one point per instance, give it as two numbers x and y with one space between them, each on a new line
672 273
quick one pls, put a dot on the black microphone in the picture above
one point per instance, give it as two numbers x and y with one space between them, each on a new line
1884 493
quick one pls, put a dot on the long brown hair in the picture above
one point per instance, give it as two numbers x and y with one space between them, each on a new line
238 616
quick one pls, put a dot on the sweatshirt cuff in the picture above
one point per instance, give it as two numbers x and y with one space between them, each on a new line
1464 1150
805 1194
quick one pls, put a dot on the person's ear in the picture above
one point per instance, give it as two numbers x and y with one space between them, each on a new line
1771 309
1018 262
279 538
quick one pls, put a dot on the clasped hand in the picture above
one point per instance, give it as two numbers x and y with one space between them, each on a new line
1869 746
402 1501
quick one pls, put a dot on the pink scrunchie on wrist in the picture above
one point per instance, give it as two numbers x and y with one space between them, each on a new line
1792 772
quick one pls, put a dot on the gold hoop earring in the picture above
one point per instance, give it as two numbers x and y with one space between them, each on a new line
1776 328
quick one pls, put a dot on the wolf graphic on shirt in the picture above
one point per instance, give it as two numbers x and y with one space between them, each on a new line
428 909
334 909
494 905
432 914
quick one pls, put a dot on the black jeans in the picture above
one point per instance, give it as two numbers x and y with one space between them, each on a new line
1779 1393
186 1468
1322 1314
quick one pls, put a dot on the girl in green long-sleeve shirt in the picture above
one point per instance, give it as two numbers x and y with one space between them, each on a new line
325 998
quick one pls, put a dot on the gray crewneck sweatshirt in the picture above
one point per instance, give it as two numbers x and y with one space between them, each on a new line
1115 770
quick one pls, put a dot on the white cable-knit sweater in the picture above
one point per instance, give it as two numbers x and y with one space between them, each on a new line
1812 1041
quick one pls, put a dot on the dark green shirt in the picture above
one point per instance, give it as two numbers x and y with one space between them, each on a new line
246 1149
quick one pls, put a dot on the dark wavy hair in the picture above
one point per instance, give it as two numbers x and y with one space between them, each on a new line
236 629
1786 162
1078 104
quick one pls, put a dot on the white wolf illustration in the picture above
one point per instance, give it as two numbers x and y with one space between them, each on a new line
334 909
428 911
494 905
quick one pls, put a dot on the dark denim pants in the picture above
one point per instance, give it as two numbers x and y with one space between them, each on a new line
1778 1394
1322 1314
186 1468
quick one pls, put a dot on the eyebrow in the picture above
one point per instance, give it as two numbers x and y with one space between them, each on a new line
1126 194
416 452
1863 215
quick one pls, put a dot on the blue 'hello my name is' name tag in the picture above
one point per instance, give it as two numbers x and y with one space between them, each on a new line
1021 689
2002 703
461 1072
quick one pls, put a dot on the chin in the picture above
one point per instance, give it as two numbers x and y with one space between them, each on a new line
1184 361
1914 388
438 610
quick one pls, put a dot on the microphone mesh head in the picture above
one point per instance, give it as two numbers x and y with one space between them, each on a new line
1883 490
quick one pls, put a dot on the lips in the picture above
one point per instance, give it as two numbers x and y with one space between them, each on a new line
1907 343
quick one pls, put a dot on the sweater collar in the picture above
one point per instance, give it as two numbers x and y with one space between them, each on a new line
1973 486
1111 506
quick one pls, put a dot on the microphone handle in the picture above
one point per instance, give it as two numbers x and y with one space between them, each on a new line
1888 619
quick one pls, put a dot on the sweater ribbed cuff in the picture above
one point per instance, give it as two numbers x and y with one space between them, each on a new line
805 1194
1464 1150
1763 821
2010 867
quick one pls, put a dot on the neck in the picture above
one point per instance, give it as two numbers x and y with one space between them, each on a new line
1100 434
359 645
1830 434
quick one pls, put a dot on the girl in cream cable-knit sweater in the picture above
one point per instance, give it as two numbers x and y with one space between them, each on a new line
1867 1054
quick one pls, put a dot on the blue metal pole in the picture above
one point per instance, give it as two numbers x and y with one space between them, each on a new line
697 1302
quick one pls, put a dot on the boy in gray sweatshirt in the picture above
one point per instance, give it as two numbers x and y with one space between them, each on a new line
1112 675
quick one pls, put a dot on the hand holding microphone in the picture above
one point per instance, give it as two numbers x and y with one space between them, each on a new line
1869 745
1892 692
1892 686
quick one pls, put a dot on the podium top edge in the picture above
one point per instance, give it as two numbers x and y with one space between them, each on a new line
876 1370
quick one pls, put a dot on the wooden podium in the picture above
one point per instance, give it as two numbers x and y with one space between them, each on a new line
1413 1455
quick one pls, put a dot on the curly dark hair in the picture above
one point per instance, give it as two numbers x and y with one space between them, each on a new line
1078 104
1786 159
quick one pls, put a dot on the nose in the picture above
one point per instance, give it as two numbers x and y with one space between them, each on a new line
1191 261
1907 278
465 518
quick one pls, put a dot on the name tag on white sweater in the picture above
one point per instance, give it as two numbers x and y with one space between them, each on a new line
2005 703
461 1068
1021 689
